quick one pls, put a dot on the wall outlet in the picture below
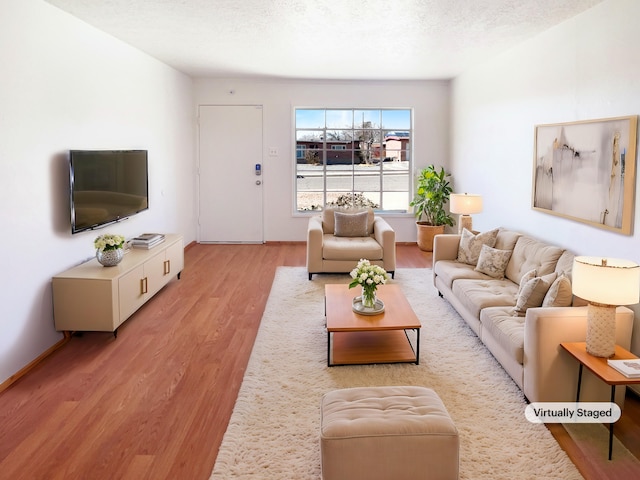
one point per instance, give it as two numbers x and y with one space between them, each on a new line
273 152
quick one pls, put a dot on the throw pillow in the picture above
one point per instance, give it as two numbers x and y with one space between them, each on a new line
531 274
351 224
470 245
492 261
559 294
533 292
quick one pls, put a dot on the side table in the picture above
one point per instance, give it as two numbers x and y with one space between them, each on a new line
599 367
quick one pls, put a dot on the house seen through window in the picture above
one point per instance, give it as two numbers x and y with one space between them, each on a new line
346 154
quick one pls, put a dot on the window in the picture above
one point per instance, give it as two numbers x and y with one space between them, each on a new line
342 153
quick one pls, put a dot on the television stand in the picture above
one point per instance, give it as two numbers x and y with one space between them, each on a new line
93 298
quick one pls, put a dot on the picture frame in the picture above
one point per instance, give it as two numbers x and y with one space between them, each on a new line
585 171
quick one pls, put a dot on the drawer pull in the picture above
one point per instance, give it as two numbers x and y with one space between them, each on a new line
143 285
167 267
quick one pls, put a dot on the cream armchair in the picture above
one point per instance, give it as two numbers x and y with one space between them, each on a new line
334 243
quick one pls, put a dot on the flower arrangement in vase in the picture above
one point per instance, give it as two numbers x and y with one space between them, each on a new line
368 276
109 249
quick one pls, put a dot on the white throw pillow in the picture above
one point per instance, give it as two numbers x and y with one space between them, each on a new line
471 245
493 262
559 294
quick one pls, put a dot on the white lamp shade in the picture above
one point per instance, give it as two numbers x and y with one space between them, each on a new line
465 203
608 281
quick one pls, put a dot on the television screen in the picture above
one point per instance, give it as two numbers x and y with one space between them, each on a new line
106 186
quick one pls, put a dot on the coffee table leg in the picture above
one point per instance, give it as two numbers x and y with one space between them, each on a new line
417 346
328 349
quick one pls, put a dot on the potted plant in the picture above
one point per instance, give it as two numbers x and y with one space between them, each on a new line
431 197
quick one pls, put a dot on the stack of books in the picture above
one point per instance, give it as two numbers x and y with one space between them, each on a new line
629 368
147 240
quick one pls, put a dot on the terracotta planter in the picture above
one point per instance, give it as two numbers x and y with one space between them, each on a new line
426 234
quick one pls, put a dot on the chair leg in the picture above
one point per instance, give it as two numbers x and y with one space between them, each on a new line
310 275
393 274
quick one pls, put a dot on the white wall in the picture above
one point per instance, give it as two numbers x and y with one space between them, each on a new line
429 99
65 85
586 68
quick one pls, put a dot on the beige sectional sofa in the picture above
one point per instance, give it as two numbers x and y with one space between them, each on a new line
514 292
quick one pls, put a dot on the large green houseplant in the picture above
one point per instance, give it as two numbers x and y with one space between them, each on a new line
431 197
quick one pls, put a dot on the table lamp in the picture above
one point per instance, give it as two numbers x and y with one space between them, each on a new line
465 204
605 283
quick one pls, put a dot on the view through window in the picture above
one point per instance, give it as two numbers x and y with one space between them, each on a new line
353 155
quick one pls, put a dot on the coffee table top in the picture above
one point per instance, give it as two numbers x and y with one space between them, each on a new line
397 315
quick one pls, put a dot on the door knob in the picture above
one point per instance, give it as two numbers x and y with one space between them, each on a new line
258 182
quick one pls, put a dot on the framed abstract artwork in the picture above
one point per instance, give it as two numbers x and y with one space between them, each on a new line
585 171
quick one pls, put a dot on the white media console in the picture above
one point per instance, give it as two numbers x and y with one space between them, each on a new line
91 297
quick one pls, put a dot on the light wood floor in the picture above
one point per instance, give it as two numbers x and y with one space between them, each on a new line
154 403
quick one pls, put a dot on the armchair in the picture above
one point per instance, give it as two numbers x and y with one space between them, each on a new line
332 248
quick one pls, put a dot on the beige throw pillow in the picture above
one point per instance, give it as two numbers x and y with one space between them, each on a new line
493 262
559 294
471 245
351 224
531 274
328 218
533 292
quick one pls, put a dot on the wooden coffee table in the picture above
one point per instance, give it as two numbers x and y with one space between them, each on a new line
354 339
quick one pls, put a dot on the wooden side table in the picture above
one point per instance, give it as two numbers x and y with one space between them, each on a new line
599 367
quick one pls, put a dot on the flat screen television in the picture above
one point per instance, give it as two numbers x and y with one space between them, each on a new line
107 186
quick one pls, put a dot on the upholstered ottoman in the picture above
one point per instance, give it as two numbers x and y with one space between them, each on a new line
387 433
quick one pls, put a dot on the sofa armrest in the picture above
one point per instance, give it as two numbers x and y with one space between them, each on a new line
445 246
550 373
314 244
386 237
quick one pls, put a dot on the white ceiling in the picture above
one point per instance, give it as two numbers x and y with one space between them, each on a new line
324 39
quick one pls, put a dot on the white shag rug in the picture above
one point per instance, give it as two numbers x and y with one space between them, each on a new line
274 430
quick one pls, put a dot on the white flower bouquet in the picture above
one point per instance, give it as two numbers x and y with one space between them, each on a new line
368 276
108 242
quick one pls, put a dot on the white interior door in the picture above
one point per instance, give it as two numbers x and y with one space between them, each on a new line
230 192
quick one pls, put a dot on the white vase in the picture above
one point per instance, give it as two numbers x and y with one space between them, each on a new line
109 258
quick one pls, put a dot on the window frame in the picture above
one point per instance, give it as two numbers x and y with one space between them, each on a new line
320 141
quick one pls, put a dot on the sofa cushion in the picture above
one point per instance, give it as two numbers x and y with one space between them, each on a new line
328 218
559 294
565 264
450 270
505 329
493 261
350 248
529 254
351 224
475 295
532 293
470 245
506 239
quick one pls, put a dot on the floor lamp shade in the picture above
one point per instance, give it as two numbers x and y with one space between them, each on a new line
605 283
465 204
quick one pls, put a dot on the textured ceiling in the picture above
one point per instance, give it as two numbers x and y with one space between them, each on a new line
324 39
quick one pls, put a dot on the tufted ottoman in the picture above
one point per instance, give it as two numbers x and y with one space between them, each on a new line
387 433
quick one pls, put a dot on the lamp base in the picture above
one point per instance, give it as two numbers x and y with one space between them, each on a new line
601 330
465 221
